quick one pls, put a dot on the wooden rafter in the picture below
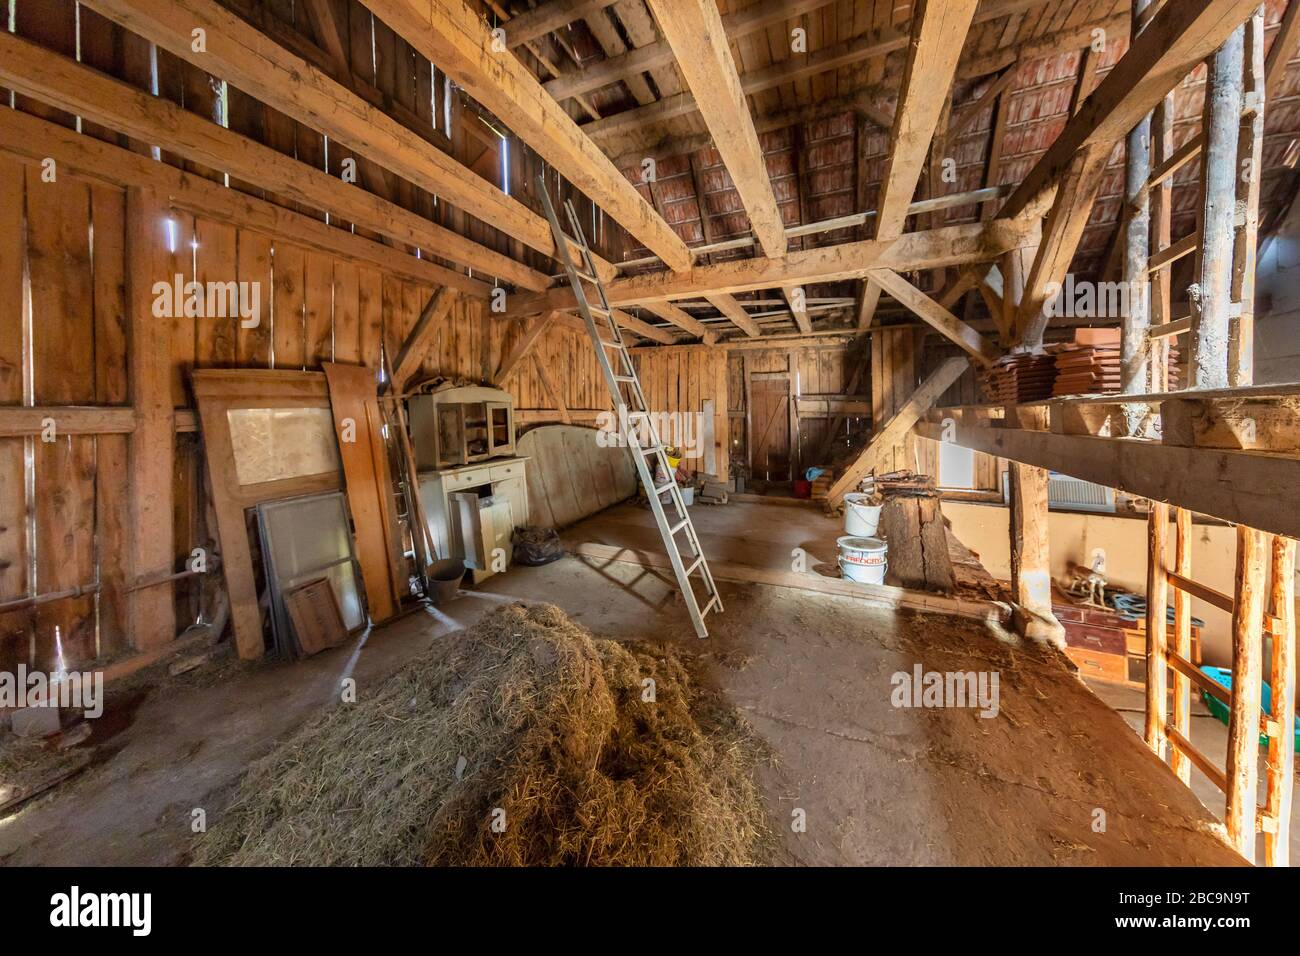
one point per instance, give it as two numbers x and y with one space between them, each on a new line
937 317
695 32
737 25
250 60
950 246
683 320
451 34
1178 37
847 52
48 76
549 16
34 140
733 310
938 32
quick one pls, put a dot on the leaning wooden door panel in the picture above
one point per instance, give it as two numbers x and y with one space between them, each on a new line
365 470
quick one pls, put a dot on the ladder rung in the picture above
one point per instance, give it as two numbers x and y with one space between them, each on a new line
596 308
625 378
650 449
587 276
673 531
665 487
611 344
694 564
709 607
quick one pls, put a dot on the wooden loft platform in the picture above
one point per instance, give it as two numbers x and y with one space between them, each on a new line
1223 453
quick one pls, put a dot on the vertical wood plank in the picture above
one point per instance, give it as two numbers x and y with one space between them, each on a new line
1247 673
370 316
1157 628
1182 718
288 335
254 267
108 212
177 237
318 308
216 336
151 615
347 321
13 490
1280 767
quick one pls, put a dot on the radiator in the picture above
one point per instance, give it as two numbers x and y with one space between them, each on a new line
1070 494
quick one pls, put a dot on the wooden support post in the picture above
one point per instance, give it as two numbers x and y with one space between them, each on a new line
151 614
1211 298
1280 767
1250 158
1157 628
1031 578
1182 718
1247 672
1161 301
1135 369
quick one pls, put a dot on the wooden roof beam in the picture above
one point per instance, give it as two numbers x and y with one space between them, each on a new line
55 79
939 30
1179 37
937 317
796 299
683 320
549 17
950 246
737 25
733 310
694 30
250 60
453 36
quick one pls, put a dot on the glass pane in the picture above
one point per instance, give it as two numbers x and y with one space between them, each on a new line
271 444
309 537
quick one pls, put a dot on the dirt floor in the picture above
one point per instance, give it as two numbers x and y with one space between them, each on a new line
1057 777
1210 737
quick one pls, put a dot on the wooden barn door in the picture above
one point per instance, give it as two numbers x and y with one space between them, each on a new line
770 418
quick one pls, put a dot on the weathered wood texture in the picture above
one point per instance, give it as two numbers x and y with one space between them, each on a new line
1247 673
572 475
918 544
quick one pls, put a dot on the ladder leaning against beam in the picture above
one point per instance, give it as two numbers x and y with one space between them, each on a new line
635 420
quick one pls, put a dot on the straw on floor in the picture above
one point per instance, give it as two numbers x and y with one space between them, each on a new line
520 741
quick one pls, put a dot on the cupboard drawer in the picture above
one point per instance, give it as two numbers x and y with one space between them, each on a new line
1086 637
1112 667
465 479
514 469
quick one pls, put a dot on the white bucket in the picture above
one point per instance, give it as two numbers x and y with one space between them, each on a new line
861 517
863 559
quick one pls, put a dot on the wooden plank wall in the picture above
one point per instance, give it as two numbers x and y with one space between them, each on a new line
895 373
679 379
819 371
71 352
570 362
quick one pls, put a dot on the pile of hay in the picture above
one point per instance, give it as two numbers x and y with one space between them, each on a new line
523 715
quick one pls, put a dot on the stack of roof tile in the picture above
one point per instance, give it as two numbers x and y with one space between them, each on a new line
1022 377
1091 365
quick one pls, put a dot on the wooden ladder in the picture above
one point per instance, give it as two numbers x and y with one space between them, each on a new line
635 420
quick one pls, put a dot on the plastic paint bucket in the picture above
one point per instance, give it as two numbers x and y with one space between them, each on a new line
861 517
863 559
